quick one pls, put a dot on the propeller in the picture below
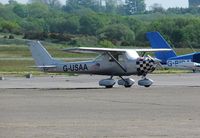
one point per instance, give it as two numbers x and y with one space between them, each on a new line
147 64
156 61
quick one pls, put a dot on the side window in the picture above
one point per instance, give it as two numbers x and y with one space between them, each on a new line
118 57
121 58
99 58
115 56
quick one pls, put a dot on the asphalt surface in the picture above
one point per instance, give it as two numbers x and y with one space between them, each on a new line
73 107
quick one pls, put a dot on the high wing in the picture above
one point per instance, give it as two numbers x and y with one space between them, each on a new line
102 50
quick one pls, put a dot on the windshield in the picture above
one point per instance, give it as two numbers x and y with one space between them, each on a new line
99 57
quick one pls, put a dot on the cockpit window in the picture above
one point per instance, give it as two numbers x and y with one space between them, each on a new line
99 57
111 59
119 57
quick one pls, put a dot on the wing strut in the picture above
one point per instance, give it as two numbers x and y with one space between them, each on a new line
116 61
143 54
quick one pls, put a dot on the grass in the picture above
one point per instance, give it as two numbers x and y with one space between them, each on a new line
170 71
23 51
15 59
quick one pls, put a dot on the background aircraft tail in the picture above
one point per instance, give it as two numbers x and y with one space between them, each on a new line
40 54
157 41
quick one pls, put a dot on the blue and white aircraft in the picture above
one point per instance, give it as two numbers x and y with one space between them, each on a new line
169 59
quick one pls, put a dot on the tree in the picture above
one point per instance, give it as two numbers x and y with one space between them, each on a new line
51 3
71 25
110 6
8 26
157 8
134 6
37 10
118 33
90 24
20 10
72 5
12 2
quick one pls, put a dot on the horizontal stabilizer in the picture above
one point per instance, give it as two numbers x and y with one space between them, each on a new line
47 66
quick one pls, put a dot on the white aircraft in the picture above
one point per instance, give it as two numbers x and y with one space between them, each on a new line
111 62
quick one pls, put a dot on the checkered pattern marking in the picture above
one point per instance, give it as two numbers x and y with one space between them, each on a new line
145 65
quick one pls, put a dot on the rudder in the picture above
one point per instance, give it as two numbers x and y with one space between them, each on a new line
157 41
40 54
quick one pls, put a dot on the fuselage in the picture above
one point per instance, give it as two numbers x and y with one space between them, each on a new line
103 65
188 61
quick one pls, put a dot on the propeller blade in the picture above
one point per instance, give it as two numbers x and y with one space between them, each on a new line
157 61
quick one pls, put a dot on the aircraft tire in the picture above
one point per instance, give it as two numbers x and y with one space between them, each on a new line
127 86
109 86
147 86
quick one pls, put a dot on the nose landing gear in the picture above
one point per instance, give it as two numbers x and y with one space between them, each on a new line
145 82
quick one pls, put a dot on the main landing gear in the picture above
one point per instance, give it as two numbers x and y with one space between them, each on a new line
126 82
110 82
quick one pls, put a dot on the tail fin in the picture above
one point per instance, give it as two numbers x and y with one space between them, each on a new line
157 41
40 54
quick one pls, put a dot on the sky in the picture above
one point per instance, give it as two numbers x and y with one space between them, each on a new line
165 3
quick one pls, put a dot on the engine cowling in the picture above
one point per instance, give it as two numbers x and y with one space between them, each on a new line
145 65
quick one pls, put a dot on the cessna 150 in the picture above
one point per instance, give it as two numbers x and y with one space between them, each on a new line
111 62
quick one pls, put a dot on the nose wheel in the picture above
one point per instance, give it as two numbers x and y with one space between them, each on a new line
145 82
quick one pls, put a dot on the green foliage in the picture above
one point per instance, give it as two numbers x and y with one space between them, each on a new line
87 22
106 44
37 10
118 32
90 24
51 3
110 6
182 32
10 27
71 25
134 6
86 41
33 25
20 10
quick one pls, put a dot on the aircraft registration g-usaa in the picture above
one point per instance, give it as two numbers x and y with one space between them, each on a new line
110 62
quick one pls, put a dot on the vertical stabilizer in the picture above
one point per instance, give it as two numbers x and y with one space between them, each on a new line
40 54
157 41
